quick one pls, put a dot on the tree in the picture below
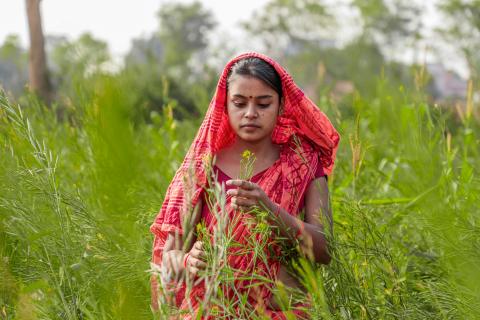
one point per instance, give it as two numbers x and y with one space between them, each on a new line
392 24
75 66
462 28
81 57
145 51
181 43
290 25
38 73
13 65
184 30
304 35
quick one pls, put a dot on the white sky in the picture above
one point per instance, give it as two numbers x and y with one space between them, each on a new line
119 21
115 21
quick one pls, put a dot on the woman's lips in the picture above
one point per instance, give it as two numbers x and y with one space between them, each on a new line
250 126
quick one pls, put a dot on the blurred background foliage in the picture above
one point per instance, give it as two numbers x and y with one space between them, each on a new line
82 176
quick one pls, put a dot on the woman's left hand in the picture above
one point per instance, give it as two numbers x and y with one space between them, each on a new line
247 195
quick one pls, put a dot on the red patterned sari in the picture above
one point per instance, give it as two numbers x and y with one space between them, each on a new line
307 139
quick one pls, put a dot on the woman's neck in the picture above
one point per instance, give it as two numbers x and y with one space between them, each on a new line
262 150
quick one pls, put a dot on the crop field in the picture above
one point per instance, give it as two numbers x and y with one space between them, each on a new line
77 197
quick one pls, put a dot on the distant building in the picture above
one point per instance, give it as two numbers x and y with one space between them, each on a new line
341 89
446 85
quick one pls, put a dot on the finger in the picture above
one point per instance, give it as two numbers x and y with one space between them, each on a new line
197 263
198 245
198 254
241 184
241 193
193 270
235 207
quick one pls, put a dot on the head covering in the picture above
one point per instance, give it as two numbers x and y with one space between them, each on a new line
301 124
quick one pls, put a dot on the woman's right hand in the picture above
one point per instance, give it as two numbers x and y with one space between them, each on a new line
195 261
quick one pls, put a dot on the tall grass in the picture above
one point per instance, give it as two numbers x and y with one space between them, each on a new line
77 197
76 203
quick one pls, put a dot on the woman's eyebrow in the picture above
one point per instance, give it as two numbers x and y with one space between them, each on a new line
264 96
257 97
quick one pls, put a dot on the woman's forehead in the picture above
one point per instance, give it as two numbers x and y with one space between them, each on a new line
264 96
245 87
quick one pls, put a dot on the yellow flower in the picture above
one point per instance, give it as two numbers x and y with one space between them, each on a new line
246 154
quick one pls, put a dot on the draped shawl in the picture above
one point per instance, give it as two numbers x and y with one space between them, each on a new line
307 139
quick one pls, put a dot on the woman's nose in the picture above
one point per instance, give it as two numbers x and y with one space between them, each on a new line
251 111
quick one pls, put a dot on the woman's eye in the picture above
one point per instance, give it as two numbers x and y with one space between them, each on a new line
238 104
264 105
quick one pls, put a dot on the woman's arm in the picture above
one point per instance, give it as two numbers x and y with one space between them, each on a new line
317 215
176 248
318 218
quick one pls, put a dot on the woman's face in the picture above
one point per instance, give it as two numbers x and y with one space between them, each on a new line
252 107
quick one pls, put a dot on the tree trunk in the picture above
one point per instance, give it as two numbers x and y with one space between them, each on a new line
38 73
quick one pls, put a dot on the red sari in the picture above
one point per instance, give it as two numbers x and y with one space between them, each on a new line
308 141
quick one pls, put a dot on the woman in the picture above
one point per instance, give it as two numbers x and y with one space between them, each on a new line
256 107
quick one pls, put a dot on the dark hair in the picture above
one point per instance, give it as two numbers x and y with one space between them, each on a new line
257 68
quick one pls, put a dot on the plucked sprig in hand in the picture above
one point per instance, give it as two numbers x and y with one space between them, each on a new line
246 165
246 172
251 198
